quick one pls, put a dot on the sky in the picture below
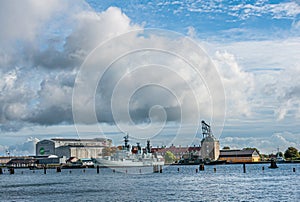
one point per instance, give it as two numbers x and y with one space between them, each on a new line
154 69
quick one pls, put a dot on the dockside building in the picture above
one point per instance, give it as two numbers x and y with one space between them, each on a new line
240 156
79 148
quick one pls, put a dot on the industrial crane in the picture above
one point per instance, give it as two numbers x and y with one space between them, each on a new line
206 131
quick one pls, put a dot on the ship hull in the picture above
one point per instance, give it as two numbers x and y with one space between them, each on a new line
127 163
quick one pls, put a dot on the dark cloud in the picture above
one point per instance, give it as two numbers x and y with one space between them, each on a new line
39 74
293 92
42 51
54 59
51 116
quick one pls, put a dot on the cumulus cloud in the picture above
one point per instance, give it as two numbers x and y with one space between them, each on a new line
25 148
238 84
39 77
43 50
262 77
38 73
16 25
153 71
270 144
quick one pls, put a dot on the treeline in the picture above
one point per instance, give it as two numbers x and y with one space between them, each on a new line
290 153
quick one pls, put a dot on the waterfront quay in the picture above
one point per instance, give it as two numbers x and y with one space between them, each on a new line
228 183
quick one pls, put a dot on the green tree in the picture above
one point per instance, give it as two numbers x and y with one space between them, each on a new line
291 152
226 147
169 157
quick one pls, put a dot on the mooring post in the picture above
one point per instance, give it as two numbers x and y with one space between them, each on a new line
45 170
244 167
58 169
1 171
263 168
160 169
215 169
154 169
178 169
11 171
98 169
201 167
273 164
294 170
196 170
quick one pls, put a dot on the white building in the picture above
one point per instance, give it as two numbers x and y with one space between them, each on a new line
79 148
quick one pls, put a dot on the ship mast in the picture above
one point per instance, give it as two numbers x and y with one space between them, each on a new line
126 140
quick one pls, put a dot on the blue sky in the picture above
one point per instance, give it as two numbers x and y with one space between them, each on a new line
254 47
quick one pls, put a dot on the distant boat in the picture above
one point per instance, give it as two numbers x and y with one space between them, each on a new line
279 159
126 158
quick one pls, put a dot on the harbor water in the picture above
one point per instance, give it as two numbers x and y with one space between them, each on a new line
175 183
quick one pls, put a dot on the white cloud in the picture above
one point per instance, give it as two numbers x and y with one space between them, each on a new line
25 148
262 75
238 84
279 10
3 150
38 81
45 47
22 20
268 145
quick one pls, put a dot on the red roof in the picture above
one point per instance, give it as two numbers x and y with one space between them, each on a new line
176 150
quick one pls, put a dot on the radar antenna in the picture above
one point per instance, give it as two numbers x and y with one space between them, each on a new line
126 140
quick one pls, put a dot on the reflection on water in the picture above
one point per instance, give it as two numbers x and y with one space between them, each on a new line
227 183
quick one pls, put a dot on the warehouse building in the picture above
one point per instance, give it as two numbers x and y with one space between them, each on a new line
240 156
79 148
45 148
